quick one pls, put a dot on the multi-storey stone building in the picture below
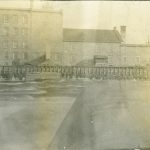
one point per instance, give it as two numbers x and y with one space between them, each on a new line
27 34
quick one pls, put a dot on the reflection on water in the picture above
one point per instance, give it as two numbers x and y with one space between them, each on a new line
45 88
31 112
107 115
45 115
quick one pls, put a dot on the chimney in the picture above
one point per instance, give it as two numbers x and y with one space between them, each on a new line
123 33
31 4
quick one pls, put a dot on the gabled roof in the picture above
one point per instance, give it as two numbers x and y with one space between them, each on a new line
91 35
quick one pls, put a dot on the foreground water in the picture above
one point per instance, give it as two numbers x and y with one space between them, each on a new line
75 115
31 112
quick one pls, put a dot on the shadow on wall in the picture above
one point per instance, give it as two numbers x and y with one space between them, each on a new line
38 60
86 62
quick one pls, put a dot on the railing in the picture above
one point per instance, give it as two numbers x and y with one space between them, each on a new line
106 72
78 72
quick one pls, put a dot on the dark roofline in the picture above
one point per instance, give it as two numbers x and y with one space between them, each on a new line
30 10
89 42
88 29
85 29
135 45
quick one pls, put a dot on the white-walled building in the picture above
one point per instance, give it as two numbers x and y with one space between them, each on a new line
135 54
81 45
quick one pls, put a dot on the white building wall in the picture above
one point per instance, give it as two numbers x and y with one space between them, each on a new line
135 55
85 50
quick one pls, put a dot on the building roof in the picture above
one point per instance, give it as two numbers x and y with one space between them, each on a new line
42 10
135 45
91 35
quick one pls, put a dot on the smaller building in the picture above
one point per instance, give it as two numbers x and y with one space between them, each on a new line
135 54
91 45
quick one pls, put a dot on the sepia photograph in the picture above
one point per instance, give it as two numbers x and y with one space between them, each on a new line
74 75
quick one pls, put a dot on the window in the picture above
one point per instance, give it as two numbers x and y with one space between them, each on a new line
148 61
5 31
6 63
24 44
97 51
15 19
24 19
72 59
100 60
5 44
25 55
137 60
5 19
15 55
124 60
56 57
15 44
110 60
6 55
15 31
24 31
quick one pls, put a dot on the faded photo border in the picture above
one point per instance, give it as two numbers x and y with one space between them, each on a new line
74 75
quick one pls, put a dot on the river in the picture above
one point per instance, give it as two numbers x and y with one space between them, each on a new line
74 115
31 112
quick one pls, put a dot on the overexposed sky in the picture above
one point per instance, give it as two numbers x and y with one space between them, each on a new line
100 15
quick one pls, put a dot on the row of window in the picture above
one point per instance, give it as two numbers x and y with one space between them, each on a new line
125 60
102 51
7 18
58 57
137 59
16 55
15 44
15 31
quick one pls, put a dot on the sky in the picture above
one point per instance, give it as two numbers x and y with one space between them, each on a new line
135 15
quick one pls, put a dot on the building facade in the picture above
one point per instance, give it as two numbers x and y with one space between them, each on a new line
97 47
135 54
91 47
27 34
